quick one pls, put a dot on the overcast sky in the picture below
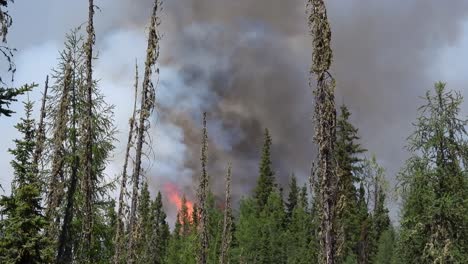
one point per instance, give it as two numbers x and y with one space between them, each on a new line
246 63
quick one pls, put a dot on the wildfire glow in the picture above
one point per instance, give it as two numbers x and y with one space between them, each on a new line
175 197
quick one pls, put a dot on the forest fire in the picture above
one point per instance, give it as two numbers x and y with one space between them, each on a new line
176 198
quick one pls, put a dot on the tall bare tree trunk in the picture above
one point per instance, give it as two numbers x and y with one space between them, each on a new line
325 125
147 106
88 180
40 133
202 197
227 227
119 234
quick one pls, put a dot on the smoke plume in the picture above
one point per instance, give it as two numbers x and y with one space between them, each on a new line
246 64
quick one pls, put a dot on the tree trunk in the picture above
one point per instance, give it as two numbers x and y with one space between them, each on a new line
325 126
123 185
227 235
88 181
147 105
202 197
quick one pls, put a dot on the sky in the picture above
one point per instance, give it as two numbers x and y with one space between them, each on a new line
246 63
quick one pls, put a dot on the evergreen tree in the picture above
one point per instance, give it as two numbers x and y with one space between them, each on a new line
293 196
65 111
21 239
183 244
385 249
272 231
247 233
266 180
434 225
159 239
347 221
144 225
8 95
299 234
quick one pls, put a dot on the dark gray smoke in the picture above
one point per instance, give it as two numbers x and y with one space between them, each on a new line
246 63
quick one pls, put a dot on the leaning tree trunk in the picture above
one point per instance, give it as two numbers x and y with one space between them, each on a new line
119 233
325 121
147 106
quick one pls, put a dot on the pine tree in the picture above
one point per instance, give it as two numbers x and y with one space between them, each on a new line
159 239
293 196
299 233
21 239
385 249
325 126
434 225
364 227
272 231
247 233
8 95
65 112
183 244
347 220
144 227
266 180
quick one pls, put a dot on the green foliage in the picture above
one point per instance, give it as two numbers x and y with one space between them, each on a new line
21 239
8 95
434 225
266 180
183 243
293 196
347 156
386 248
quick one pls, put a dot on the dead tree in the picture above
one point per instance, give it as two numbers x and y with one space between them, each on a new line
325 125
147 106
55 190
88 179
227 226
40 131
120 231
202 199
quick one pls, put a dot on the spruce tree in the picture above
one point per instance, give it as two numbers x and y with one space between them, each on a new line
266 180
22 239
293 196
347 221
299 234
434 224
159 233
65 111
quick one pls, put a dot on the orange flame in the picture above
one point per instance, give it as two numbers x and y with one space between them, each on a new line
175 197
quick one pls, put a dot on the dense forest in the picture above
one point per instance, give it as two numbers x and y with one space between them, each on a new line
62 209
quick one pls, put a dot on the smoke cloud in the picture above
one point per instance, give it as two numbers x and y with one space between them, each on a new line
246 64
